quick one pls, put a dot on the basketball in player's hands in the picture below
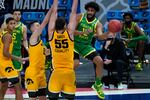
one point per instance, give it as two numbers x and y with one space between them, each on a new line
114 26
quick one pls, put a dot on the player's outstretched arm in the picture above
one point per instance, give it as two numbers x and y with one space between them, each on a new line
25 41
73 15
99 32
53 17
38 32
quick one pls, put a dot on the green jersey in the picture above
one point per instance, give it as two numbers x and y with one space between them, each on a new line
18 36
84 25
17 41
130 32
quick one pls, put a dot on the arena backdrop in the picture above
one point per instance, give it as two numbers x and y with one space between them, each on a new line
109 9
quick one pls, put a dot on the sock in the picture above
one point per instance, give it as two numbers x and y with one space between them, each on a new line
98 81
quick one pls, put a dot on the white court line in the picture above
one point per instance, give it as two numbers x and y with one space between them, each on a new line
114 92
13 96
107 92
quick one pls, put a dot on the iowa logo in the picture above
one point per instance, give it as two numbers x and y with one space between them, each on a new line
9 69
29 81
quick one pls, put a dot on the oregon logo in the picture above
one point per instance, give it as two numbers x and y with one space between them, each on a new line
29 81
9 69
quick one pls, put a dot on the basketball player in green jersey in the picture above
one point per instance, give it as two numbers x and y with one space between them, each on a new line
19 36
135 36
88 21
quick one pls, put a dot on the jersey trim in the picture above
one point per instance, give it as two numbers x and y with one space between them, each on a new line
89 53
76 51
69 93
52 36
3 34
18 25
133 24
87 20
39 40
95 26
81 17
69 36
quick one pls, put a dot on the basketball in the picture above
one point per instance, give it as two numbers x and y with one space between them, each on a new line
114 26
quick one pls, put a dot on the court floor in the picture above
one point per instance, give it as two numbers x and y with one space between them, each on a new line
89 94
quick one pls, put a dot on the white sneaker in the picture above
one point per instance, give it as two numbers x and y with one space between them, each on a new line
111 86
105 87
122 86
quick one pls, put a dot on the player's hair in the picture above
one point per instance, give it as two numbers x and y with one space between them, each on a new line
127 14
9 19
31 24
60 23
92 4
1 20
15 10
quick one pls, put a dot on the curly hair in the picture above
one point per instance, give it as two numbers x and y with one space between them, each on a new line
127 14
92 4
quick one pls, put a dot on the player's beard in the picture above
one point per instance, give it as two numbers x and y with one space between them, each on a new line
128 22
90 17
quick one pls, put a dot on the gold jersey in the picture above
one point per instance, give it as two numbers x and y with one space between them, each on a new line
37 55
62 47
2 58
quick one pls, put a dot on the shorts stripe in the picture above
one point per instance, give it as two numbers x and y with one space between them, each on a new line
89 53
68 93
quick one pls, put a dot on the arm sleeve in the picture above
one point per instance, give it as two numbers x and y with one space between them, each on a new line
143 37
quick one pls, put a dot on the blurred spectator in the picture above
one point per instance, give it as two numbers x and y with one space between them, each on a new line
115 59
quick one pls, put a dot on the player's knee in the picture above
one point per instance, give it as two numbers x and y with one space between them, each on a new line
98 60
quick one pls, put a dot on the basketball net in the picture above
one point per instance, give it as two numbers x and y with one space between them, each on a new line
2 4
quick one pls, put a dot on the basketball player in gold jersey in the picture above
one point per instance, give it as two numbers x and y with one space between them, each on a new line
7 71
1 29
35 74
61 39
